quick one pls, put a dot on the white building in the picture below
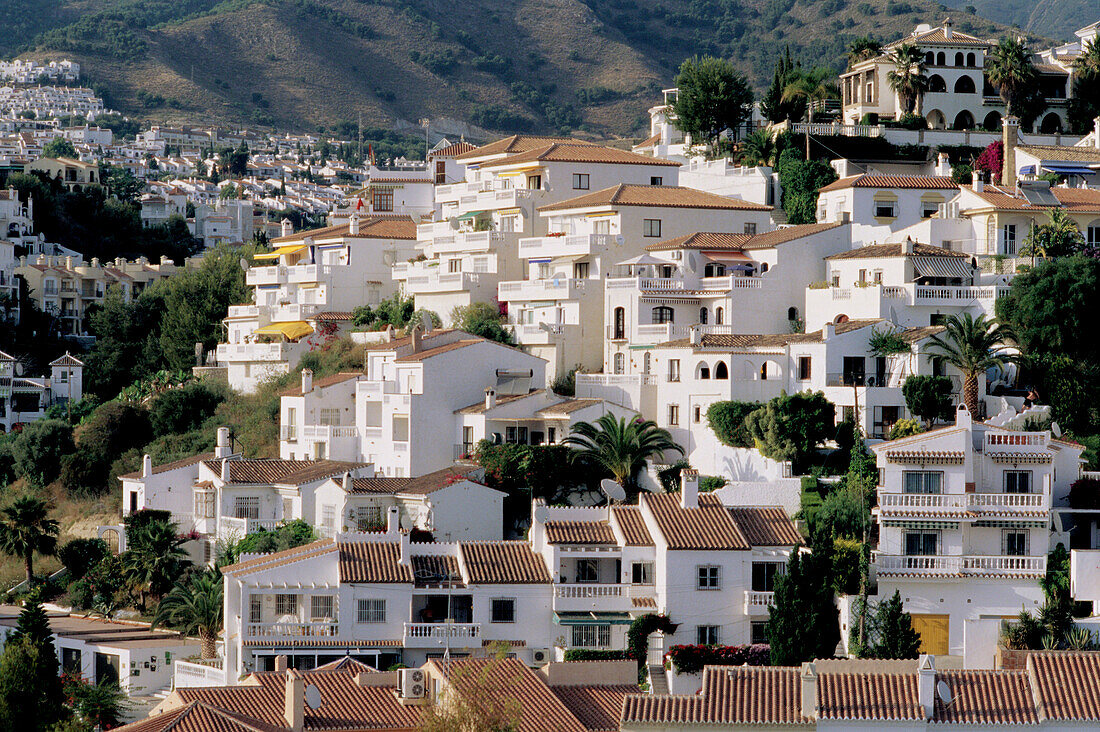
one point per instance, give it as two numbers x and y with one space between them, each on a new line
26 399
878 205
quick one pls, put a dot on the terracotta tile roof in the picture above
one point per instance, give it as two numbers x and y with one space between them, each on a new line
479 407
702 240
710 526
430 352
896 250
868 180
568 152
66 360
398 343
868 696
371 226
644 602
1066 684
579 532
1085 200
739 695
323 382
330 316
986 697
502 562
770 239
347 663
166 467
649 142
453 150
515 144
372 562
568 406
596 707
275 471
283 558
1079 154
428 569
932 457
377 485
631 525
663 196
937 36
199 716
766 526
432 482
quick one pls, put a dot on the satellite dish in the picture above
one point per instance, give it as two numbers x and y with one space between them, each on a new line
613 490
1055 429
313 697
943 691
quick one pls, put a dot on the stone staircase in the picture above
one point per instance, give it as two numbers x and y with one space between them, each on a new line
658 682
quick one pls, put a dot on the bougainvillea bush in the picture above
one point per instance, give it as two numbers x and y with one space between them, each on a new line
690 659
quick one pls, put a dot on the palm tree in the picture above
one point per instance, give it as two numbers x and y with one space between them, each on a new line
195 607
154 558
863 48
1087 65
621 447
907 78
813 86
971 345
1009 68
757 148
1059 237
26 528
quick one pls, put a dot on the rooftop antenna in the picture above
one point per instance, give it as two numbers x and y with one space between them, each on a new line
313 697
943 691
1055 430
613 490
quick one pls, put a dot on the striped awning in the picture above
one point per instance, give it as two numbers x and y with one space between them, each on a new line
592 618
942 267
280 251
292 330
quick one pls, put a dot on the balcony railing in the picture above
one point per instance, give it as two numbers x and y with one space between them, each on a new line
431 634
940 565
586 591
758 603
1033 501
931 502
316 629
232 526
541 289
187 675
1016 439
564 246
959 293
250 352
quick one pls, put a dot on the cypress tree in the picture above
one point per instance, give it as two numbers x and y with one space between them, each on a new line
804 622
894 627
31 696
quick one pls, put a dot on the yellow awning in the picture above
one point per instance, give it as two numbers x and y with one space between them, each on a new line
293 330
288 249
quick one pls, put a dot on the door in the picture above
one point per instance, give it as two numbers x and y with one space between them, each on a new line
106 668
854 370
933 630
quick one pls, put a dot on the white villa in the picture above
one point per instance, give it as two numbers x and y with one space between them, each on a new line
26 399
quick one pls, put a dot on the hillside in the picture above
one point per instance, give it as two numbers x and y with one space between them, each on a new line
1052 18
589 65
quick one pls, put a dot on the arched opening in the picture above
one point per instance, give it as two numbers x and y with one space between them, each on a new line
842 318
929 58
714 269
719 315
792 313
703 316
663 314
764 371
965 85
971 61
763 267
959 59
620 324
936 83
963 121
936 120
1051 124
748 370
720 370
702 371
941 59
992 122
620 363
647 363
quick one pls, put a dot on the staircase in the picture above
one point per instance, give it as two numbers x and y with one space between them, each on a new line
658 682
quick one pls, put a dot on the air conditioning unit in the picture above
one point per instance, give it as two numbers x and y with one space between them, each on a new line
542 655
413 683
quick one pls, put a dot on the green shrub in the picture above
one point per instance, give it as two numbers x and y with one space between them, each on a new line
590 654
904 428
80 555
710 483
727 421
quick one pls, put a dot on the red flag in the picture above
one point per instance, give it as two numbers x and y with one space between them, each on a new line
359 205
370 153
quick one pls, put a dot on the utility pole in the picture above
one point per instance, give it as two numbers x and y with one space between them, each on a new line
426 123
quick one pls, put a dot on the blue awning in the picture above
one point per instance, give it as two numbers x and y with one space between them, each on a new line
1027 170
1069 169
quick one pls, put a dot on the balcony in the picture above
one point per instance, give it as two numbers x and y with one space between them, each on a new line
926 295
1009 503
440 635
758 603
244 311
999 441
954 565
274 275
553 289
292 631
539 334
658 332
923 503
603 597
452 241
435 282
325 432
231 526
228 352
565 246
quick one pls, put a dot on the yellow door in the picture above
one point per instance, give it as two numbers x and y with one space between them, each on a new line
933 631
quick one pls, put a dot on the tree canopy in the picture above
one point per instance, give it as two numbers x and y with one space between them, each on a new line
712 98
792 426
804 623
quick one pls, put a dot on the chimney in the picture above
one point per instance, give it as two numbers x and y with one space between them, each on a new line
689 488
809 690
389 333
307 381
346 482
286 228
294 710
926 683
68 262
490 398
280 664
976 183
393 521
23 261
963 418
695 336
948 28
828 331
907 245
404 556
1010 129
415 335
1096 133
353 226
95 262
146 465
943 165
225 470
222 450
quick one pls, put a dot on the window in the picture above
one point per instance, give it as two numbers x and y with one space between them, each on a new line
922 481
620 363
400 428
330 417
1017 481
674 369
1008 234
719 314
601 226
1092 236
921 543
884 210
706 635
656 180
697 414
651 227
591 636
580 270
721 371
764 574
587 570
368 518
286 604
928 209
702 372
255 609
641 573
663 314
534 182
204 504
674 414
63 376
805 368
454 265
580 181
750 228
714 269
508 224
758 631
1014 542
328 517
372 611
619 329
382 199
702 316
708 577
321 607
246 507
647 362
502 609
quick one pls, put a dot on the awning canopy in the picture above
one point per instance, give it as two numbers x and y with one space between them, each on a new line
1027 170
1069 169
731 256
641 259
292 330
942 267
280 251
591 618
469 215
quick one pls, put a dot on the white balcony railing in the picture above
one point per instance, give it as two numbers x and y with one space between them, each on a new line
939 565
1016 439
931 502
555 289
959 293
315 629
564 246
1009 501
431 634
328 432
244 311
617 379
231 526
187 675
250 352
758 603
586 591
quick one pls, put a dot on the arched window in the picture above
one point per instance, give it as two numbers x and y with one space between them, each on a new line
647 363
959 59
792 313
936 83
620 363
1051 123
719 315
720 370
663 314
941 59
703 316
702 371
764 371
970 60
929 58
992 122
965 85
620 324
963 121
763 267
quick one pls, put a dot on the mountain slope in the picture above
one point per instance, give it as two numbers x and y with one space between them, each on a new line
593 65
1056 19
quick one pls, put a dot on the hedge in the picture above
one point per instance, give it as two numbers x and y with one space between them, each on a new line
690 659
588 654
